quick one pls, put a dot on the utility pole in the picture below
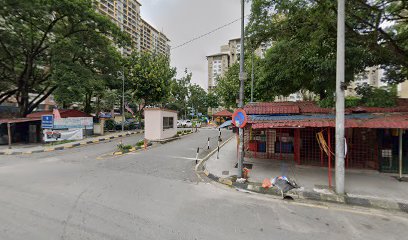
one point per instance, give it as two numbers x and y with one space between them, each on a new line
252 77
242 77
123 99
340 71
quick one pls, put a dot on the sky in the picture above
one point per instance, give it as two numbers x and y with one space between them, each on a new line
183 20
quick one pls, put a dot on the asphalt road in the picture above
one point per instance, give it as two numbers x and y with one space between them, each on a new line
83 193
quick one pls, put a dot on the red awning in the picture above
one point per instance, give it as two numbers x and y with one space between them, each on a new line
18 120
223 113
396 121
65 113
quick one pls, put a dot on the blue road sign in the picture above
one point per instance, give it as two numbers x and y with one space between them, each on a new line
47 121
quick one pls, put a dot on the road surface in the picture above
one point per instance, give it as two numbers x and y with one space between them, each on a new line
82 193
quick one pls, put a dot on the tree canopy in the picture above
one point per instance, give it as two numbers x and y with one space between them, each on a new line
149 77
50 45
303 56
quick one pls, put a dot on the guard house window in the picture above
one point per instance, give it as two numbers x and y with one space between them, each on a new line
168 122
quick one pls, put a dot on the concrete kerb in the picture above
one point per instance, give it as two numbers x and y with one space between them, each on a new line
200 165
301 194
73 145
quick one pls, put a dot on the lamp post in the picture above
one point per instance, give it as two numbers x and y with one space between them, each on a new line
242 77
122 76
340 71
252 77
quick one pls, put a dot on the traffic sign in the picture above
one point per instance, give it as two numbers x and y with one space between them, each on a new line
47 121
239 118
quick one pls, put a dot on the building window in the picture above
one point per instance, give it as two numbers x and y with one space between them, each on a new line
168 122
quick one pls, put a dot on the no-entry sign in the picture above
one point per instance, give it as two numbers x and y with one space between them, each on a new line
239 118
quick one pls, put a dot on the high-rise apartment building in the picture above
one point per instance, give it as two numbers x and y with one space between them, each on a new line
219 63
126 15
153 40
371 76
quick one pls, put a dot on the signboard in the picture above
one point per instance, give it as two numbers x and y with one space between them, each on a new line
239 118
72 123
47 121
59 135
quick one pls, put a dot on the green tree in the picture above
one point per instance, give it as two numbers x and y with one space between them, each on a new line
303 56
227 89
178 99
35 36
197 98
149 77
212 100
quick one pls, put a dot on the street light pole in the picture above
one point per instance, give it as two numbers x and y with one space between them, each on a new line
252 77
123 99
340 98
242 77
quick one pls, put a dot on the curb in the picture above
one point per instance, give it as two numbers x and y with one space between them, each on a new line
314 196
73 145
347 199
200 166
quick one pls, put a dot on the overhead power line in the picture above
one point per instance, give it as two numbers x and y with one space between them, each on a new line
206 34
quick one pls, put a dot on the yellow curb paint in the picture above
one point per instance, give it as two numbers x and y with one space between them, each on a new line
95 141
82 143
206 172
118 153
49 150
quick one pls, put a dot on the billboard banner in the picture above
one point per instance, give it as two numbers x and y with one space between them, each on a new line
71 123
59 135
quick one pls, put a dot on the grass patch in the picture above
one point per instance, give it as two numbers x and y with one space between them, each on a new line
124 148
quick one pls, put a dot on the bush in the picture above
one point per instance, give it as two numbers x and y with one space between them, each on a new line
377 97
140 143
352 102
110 125
124 148
327 102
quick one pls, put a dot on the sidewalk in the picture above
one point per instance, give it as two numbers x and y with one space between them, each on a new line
362 186
38 148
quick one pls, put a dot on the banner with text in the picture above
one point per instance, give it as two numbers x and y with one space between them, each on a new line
70 123
59 135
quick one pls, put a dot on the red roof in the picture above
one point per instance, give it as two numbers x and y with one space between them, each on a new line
18 120
265 108
398 120
223 113
65 113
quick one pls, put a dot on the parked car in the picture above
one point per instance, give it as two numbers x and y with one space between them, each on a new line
179 123
187 124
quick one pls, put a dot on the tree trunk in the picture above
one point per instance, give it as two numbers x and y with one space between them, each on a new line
87 104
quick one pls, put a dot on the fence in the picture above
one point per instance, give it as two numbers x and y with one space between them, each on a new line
366 148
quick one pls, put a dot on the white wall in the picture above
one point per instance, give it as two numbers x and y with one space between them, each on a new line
154 124
167 133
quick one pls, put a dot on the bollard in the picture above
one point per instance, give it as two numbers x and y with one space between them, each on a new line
208 143
218 149
198 151
219 137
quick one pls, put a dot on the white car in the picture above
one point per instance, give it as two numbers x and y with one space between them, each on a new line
179 123
187 124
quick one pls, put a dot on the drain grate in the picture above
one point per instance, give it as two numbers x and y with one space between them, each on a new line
403 207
